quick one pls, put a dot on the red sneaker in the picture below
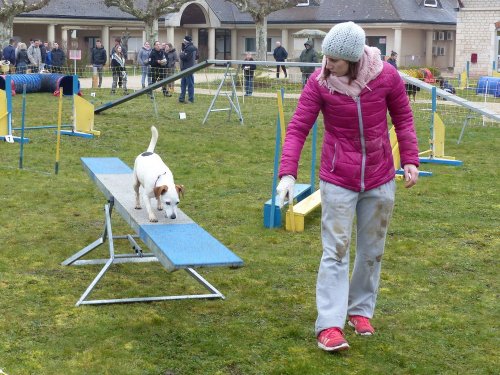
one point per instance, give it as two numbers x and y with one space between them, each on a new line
332 340
361 325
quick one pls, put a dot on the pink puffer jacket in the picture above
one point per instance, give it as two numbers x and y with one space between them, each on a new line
356 152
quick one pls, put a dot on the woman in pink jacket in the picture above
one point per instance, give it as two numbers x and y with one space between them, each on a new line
353 90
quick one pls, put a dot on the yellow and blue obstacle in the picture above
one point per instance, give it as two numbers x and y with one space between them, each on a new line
6 115
438 131
83 112
272 210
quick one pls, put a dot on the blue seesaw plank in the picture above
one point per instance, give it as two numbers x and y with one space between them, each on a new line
177 243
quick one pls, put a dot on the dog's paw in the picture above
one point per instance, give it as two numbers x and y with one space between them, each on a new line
138 207
153 219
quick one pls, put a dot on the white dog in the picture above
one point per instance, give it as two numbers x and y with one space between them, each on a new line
157 181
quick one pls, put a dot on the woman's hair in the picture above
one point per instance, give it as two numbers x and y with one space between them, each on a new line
22 45
352 72
170 46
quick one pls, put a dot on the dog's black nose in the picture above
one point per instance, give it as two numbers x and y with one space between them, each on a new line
173 216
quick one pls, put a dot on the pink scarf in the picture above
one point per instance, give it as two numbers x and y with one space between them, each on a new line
370 66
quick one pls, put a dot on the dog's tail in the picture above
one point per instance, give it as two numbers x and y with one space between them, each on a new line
154 138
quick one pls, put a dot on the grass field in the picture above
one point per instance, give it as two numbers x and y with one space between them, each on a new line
438 301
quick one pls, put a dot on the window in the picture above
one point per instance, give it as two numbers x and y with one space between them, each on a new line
441 35
438 51
449 35
303 4
431 3
251 45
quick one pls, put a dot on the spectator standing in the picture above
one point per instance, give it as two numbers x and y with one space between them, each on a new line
248 73
98 59
172 59
22 59
354 90
280 55
308 55
9 54
118 43
58 58
188 57
392 60
118 70
158 63
43 54
35 56
143 61
48 57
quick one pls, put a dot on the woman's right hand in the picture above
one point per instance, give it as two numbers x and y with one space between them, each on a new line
285 188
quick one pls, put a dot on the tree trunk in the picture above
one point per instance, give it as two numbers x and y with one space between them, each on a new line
6 29
151 30
261 37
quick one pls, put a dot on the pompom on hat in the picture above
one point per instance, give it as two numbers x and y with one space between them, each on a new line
345 41
188 38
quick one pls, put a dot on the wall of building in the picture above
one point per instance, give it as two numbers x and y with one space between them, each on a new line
476 33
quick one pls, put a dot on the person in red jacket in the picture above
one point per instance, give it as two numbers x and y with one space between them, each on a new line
354 89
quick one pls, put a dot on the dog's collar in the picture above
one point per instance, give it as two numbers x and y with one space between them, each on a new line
159 177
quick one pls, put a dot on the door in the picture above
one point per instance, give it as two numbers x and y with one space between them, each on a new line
222 44
379 42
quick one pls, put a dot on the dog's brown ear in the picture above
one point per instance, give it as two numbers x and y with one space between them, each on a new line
160 190
180 190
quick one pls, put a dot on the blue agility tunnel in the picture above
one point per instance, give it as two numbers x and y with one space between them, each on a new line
42 82
488 86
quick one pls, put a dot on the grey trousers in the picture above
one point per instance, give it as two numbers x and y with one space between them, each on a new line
336 295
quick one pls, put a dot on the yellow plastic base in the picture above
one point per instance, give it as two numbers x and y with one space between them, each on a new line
301 210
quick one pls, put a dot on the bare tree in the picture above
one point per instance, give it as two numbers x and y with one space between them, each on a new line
148 11
259 10
10 9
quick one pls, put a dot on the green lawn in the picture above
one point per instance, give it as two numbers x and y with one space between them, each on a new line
438 300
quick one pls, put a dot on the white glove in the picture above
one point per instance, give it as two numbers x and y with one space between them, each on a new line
285 187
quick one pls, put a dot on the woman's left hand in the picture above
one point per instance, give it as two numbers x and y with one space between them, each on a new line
411 175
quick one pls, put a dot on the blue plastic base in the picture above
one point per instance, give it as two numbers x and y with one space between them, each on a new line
76 134
16 139
441 161
420 173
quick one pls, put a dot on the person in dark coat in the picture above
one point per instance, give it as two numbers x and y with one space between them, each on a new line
280 54
9 54
124 51
22 59
119 71
158 64
172 59
43 54
308 55
188 57
58 58
248 73
98 58
392 60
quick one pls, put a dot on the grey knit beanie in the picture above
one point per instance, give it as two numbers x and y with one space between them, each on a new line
345 41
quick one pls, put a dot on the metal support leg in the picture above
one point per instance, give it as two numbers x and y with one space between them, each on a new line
466 121
138 256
